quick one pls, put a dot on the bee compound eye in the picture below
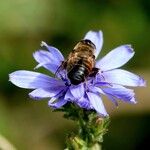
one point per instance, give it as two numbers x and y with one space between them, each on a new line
87 41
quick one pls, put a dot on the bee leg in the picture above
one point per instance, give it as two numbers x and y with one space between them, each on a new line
61 67
86 84
94 72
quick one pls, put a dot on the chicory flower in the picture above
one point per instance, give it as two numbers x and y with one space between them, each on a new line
109 81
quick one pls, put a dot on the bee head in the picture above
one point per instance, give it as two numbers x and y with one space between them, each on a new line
89 43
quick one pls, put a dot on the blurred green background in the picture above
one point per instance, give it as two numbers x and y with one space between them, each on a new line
29 124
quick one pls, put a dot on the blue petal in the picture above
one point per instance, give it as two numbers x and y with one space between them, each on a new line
54 51
96 90
84 102
97 103
32 80
57 103
39 94
113 99
47 60
69 96
97 39
116 58
121 93
46 92
77 90
123 77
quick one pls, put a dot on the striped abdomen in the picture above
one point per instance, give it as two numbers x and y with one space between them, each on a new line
80 70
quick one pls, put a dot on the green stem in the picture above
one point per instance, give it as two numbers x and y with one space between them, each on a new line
91 128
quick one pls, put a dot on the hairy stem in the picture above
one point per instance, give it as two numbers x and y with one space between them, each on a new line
91 128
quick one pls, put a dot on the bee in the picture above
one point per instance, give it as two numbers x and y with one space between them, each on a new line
80 63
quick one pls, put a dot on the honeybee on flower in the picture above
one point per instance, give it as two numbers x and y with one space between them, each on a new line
81 78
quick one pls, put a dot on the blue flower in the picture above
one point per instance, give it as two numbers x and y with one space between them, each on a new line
109 81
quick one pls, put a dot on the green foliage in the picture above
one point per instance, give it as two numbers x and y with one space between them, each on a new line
91 128
61 23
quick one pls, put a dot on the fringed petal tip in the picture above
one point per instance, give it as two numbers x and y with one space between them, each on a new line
43 44
116 58
123 77
103 115
37 66
56 104
133 101
142 82
57 55
34 97
129 48
9 77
